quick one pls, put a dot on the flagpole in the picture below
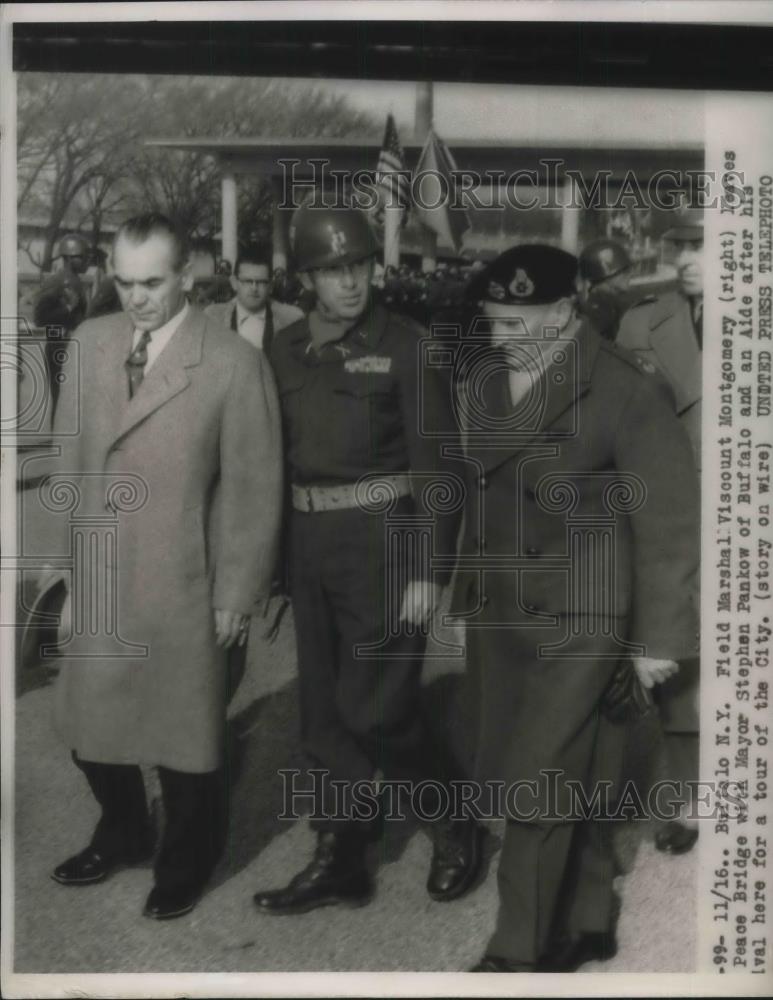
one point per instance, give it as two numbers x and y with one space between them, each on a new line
392 219
421 127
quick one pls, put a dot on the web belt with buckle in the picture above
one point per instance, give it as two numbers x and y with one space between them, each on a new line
366 494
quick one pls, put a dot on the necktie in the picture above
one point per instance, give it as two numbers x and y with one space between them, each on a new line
135 363
697 321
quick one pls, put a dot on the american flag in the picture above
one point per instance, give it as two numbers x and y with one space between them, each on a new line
392 177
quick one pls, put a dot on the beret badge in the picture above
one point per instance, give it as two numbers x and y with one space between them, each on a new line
521 287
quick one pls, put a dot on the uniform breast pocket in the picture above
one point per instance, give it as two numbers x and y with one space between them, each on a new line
368 394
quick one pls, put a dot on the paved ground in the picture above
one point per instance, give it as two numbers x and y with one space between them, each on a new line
100 929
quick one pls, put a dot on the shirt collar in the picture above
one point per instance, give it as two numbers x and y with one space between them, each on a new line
165 332
242 314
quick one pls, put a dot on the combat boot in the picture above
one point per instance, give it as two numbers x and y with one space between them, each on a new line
337 874
456 858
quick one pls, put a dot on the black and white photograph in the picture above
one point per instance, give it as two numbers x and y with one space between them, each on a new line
380 594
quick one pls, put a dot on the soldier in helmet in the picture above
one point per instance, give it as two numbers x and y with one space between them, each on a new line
667 333
568 425
61 304
356 403
605 280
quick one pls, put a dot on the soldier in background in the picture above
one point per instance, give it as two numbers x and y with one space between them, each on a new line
666 332
61 304
604 284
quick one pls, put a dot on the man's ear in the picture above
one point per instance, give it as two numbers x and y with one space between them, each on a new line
564 311
306 281
233 280
187 276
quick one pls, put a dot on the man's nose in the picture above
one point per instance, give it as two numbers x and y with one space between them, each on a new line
347 276
137 295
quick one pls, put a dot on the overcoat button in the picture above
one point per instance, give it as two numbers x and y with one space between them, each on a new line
531 551
482 482
484 599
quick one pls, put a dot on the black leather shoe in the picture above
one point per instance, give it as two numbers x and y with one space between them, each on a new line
165 904
335 875
570 954
492 963
456 858
90 866
675 838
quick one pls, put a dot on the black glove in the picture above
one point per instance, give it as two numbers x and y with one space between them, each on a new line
626 699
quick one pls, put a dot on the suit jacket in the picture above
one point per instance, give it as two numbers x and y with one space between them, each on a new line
282 314
661 333
193 527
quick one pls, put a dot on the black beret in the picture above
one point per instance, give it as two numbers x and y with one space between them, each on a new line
533 274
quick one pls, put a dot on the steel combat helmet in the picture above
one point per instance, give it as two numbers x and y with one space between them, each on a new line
602 259
330 237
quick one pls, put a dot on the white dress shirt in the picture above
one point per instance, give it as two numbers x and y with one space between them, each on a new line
251 326
160 338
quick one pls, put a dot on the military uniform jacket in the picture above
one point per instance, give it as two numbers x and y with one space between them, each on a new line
187 473
369 404
52 307
661 333
604 446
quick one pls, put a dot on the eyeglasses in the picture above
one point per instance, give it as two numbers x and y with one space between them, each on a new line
253 281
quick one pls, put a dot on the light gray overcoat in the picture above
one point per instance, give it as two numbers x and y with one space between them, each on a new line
196 525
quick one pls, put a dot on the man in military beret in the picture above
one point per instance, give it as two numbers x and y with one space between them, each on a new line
667 333
604 284
61 304
362 419
580 544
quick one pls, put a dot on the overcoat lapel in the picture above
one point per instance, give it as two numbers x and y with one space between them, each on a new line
113 351
168 376
568 381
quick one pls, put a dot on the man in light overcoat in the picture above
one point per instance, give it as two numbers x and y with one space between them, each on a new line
179 451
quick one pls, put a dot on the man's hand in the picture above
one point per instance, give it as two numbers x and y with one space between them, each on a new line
421 600
231 627
651 672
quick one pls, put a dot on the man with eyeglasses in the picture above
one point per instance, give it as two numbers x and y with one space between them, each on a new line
253 314
365 423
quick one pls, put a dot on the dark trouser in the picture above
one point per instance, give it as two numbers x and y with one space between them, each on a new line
540 713
678 704
360 710
195 820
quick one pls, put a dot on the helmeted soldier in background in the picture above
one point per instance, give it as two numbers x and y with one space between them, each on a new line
61 304
667 333
357 403
604 284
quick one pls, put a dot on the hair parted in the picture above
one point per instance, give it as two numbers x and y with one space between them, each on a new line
140 228
256 253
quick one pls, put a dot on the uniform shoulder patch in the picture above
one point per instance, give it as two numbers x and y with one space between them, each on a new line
632 358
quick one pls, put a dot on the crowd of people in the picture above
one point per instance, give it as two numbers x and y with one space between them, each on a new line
294 440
